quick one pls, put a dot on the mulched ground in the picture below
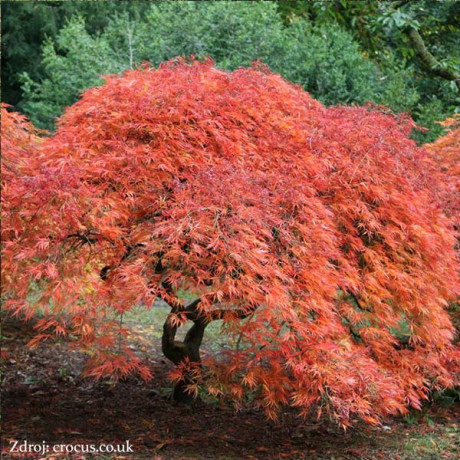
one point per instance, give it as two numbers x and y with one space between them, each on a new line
44 399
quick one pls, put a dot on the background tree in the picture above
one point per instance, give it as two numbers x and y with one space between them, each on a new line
422 35
312 233
27 24
323 58
73 64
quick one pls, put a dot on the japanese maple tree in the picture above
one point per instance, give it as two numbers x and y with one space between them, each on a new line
309 231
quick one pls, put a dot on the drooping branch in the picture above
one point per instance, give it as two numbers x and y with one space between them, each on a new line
402 341
84 238
193 314
429 61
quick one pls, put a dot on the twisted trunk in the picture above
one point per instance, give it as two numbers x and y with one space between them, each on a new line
177 351
189 349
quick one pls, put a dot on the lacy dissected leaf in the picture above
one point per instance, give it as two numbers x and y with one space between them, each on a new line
446 153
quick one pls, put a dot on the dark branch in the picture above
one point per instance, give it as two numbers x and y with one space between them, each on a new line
355 298
177 351
85 239
104 273
429 61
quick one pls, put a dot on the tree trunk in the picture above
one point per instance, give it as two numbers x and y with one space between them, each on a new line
189 350
178 352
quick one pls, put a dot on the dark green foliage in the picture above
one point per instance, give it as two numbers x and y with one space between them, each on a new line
24 27
328 63
341 51
324 60
72 63
26 24
383 31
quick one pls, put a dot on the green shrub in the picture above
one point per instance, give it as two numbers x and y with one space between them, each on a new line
326 62
74 63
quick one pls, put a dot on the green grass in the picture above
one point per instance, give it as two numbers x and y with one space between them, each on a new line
151 320
434 445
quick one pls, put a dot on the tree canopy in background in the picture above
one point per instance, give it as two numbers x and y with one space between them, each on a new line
342 52
26 25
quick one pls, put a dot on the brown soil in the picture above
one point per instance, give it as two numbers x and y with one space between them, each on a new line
44 399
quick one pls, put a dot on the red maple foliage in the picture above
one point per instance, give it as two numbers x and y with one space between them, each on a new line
446 153
309 231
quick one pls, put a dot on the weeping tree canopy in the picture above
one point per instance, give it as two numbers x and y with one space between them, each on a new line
315 234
